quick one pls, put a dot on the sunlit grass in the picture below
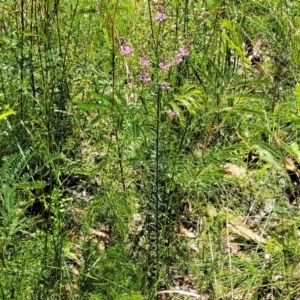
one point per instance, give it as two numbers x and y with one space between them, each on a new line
117 120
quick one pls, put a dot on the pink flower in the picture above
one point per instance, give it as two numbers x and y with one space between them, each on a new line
173 113
177 61
125 48
145 61
182 52
145 77
165 85
164 65
160 15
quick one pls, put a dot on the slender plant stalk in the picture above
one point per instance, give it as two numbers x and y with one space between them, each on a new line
113 60
32 77
22 57
2 292
157 156
157 181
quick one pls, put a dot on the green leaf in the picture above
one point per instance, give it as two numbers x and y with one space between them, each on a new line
135 128
7 113
248 110
269 156
99 101
190 97
248 96
235 40
91 106
8 197
31 185
297 94
292 149
53 157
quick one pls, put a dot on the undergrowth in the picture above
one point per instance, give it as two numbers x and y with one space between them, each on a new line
149 149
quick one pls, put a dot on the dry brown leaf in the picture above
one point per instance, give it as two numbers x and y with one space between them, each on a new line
234 170
246 233
234 248
291 168
68 288
101 247
296 272
137 224
99 233
190 294
74 269
72 237
189 206
77 211
185 280
194 248
110 138
184 232
244 257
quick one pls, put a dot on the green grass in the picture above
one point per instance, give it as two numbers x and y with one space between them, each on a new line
115 188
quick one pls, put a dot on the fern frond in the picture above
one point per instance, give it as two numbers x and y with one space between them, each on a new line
14 167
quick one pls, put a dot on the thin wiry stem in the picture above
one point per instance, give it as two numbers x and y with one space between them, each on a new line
113 59
157 154
22 56
157 182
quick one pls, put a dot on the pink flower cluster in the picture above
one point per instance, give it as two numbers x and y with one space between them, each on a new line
173 113
145 76
146 63
125 48
165 85
179 54
164 65
160 15
182 52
